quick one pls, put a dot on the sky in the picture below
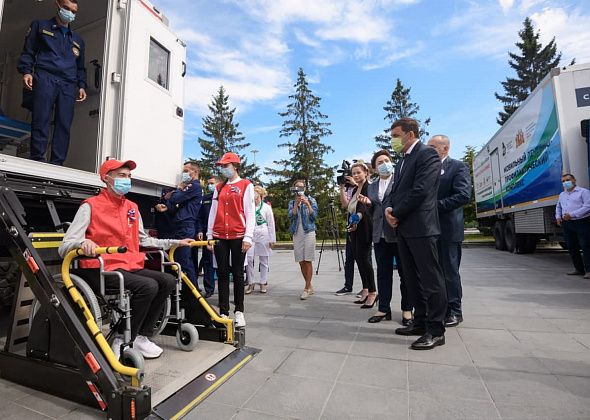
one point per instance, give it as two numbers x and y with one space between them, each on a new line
453 54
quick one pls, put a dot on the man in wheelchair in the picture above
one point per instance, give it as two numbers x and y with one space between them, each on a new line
109 219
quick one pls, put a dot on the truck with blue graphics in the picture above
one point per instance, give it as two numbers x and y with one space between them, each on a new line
517 174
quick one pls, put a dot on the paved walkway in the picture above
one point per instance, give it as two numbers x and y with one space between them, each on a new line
522 352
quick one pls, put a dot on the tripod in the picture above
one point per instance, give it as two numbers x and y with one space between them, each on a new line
331 230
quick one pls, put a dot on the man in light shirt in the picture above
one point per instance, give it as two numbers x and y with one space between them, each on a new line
573 213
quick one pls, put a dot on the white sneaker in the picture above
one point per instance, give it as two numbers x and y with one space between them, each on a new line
240 320
116 346
224 316
149 349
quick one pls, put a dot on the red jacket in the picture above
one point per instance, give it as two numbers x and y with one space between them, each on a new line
114 222
230 219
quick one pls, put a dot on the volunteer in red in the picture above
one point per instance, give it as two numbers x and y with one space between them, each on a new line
231 222
109 219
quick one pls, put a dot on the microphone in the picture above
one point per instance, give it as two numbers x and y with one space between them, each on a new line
354 219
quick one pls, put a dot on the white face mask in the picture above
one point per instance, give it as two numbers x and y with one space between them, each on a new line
385 169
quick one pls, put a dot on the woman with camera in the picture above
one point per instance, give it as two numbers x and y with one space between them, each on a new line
264 239
384 241
360 227
302 213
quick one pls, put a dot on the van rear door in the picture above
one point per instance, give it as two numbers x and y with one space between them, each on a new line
152 117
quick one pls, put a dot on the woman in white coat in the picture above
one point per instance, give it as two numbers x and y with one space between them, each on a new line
264 239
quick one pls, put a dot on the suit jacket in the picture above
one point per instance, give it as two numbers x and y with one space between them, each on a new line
380 226
454 192
364 231
413 197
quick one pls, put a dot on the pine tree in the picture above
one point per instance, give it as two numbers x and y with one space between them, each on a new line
400 105
532 65
304 126
221 136
469 209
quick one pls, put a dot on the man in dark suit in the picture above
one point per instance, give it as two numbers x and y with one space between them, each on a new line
453 193
411 208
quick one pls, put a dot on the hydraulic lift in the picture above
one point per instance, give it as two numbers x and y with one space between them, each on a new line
168 388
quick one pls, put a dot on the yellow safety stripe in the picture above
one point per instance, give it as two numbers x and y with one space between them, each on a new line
49 244
47 235
212 388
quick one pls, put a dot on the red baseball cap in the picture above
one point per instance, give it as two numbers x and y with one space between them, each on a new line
112 164
229 157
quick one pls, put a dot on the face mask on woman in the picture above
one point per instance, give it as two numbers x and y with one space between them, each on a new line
210 187
227 172
385 169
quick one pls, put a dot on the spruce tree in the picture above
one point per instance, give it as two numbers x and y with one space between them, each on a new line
469 209
398 106
532 65
221 136
304 127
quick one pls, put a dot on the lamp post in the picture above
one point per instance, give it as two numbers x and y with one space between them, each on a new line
254 152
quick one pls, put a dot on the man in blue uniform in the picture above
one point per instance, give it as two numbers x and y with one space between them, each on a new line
207 258
184 203
52 65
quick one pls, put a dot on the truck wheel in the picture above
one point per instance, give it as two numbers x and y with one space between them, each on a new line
499 235
9 276
510 236
526 243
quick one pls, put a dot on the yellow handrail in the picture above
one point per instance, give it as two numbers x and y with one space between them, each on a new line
229 324
135 374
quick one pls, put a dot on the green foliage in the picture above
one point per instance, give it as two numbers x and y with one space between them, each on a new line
221 136
469 209
398 106
532 65
304 127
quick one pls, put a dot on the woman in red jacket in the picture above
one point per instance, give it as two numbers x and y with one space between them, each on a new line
231 223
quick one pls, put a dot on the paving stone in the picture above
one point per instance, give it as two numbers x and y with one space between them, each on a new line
312 364
426 406
291 396
439 381
12 411
358 402
551 341
212 410
240 387
49 405
376 372
330 341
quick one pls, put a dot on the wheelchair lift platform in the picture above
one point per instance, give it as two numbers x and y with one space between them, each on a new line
78 365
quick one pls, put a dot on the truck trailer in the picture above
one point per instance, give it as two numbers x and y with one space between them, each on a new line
517 174
134 110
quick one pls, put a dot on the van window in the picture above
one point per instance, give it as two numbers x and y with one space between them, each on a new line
158 63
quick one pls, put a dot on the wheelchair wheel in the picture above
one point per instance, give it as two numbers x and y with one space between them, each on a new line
187 336
164 317
132 358
84 289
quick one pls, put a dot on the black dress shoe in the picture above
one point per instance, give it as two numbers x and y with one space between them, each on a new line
367 306
453 320
428 342
208 295
406 322
411 330
378 318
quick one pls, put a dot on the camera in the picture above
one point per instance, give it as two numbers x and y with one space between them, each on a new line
298 190
344 171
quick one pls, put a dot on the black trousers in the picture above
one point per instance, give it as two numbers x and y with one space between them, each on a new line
419 257
228 253
384 254
149 290
577 235
361 252
348 264
449 255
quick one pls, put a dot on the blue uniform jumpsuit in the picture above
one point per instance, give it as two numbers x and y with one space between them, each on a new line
207 258
54 55
185 204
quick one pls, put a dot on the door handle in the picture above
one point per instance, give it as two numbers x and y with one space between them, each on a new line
183 69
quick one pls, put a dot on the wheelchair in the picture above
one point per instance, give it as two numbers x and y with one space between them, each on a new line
111 308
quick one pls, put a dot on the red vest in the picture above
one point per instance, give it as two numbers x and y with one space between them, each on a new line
230 219
114 222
